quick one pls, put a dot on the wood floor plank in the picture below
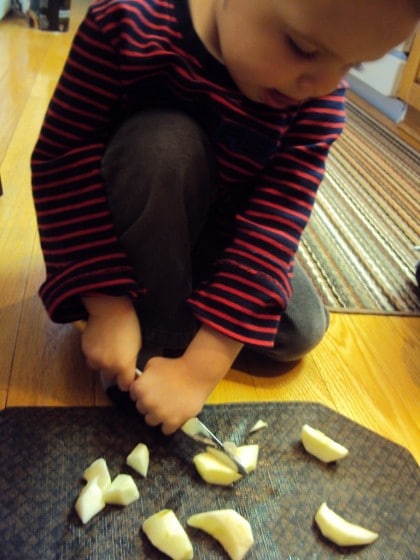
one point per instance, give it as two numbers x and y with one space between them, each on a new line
302 383
377 392
12 287
22 51
32 73
18 232
238 386
48 367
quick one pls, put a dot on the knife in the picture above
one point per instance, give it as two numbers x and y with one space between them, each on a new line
198 431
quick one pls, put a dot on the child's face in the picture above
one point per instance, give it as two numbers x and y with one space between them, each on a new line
278 51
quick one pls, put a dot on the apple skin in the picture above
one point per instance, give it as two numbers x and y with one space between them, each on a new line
165 532
228 527
342 532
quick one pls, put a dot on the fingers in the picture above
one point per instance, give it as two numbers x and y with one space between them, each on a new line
123 377
167 428
152 415
134 394
111 342
151 419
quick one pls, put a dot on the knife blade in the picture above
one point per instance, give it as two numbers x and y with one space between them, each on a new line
195 429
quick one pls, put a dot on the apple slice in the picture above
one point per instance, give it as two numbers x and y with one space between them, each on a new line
340 531
139 459
122 491
228 527
321 446
259 425
90 501
98 469
166 533
222 457
215 471
246 454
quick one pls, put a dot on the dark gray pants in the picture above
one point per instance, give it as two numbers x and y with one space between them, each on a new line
159 170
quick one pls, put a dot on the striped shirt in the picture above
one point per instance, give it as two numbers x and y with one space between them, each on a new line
131 54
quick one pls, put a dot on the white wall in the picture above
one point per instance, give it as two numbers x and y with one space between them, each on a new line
5 6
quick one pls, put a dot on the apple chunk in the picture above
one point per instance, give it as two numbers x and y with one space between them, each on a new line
215 471
259 425
247 455
122 491
98 469
228 527
340 531
90 501
321 446
165 532
222 457
139 459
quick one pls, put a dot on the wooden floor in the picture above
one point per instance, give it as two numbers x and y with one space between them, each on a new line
367 367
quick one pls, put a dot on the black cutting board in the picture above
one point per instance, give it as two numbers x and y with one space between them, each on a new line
44 452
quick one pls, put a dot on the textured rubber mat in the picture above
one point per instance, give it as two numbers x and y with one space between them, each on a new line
44 452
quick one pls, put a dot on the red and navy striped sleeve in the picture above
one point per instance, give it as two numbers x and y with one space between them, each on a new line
250 288
80 249
126 54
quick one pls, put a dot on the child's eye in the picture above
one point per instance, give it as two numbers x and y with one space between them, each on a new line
301 52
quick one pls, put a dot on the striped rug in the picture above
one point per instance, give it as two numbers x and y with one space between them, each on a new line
359 246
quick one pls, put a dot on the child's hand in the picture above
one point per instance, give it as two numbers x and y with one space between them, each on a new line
171 391
111 339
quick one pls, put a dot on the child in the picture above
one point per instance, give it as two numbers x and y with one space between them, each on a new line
175 172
